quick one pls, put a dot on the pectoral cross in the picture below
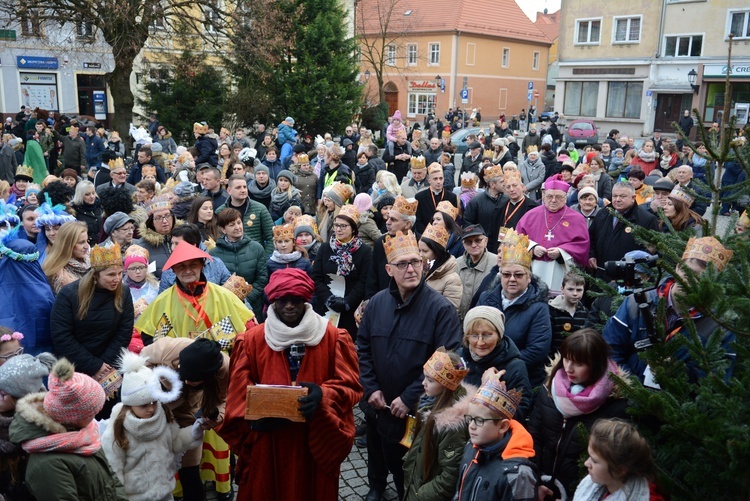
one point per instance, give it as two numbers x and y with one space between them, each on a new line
549 236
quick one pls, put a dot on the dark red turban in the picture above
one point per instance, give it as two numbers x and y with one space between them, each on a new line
290 282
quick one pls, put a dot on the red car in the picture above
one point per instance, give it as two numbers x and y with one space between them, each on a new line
581 133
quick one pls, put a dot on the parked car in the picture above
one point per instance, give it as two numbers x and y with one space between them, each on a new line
458 138
546 115
581 133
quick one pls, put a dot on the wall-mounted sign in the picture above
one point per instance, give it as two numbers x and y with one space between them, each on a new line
34 62
741 70
92 66
39 90
422 85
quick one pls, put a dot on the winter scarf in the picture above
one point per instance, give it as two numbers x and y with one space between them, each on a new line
285 258
467 194
146 430
647 157
635 489
279 198
77 267
668 161
576 400
309 332
83 442
18 193
265 192
342 254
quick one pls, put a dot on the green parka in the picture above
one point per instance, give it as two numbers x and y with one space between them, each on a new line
245 258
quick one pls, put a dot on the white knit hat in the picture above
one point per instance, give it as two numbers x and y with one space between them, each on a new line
141 385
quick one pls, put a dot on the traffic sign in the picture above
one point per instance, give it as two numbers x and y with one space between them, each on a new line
531 85
528 96
464 96
536 93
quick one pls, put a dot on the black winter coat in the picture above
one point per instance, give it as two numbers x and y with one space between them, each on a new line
505 357
484 210
558 440
98 338
364 178
92 216
207 147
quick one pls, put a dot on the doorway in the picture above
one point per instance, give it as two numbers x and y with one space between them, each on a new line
87 86
669 108
391 97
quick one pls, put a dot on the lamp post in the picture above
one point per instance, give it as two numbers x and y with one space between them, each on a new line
367 75
692 76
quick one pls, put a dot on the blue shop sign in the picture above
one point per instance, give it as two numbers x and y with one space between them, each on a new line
34 62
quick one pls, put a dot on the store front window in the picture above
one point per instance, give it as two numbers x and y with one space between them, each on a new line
420 103
715 98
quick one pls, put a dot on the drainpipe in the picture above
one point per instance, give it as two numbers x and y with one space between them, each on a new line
454 68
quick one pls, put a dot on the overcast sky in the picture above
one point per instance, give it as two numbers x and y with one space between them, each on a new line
531 7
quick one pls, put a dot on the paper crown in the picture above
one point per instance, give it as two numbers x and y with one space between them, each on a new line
340 193
437 234
302 158
238 286
52 215
469 180
148 170
448 208
495 396
116 164
744 219
404 242
440 368
32 188
349 211
283 232
136 252
708 249
401 133
158 203
679 193
200 128
532 149
494 172
308 221
516 254
487 154
434 167
25 171
512 237
446 134
404 206
512 176
418 162
104 257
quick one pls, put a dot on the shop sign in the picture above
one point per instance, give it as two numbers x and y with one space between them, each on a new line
741 70
34 62
422 85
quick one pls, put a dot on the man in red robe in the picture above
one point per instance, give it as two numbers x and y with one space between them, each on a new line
559 235
280 459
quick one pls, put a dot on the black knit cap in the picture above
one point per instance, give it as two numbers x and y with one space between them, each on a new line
386 200
200 360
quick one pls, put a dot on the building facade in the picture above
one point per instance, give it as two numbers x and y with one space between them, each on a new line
627 66
443 54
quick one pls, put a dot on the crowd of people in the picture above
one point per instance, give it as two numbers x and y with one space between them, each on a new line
440 293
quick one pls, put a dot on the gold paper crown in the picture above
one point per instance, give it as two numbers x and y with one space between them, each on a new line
446 134
343 192
516 254
437 234
238 286
200 128
434 167
488 154
136 251
116 164
350 212
418 162
148 170
448 208
104 257
744 219
679 193
416 134
283 232
495 396
494 172
512 237
25 171
469 180
440 368
403 243
302 158
158 203
708 249
512 176
404 206
401 133
306 220
532 149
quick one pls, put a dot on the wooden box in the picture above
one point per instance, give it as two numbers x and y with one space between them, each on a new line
264 401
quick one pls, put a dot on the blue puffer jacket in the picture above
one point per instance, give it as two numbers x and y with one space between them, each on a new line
286 134
215 271
527 323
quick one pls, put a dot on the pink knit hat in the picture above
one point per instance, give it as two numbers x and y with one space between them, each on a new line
135 254
73 398
397 115
363 202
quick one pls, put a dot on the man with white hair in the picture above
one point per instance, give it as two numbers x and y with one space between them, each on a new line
685 179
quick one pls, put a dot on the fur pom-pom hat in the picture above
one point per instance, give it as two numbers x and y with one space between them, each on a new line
141 385
73 398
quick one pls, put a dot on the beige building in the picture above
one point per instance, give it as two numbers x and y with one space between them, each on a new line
627 65
489 48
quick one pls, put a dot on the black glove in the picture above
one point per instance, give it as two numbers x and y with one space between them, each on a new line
309 404
337 304
268 424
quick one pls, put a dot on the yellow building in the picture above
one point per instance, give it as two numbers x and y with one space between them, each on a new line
490 48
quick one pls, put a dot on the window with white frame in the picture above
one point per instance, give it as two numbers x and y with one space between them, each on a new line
420 103
158 21
390 55
535 61
588 31
411 54
434 53
683 46
211 14
84 29
624 99
580 98
627 29
739 23
506 57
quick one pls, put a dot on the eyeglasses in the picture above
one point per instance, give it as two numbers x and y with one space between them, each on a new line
119 173
484 336
137 269
554 197
477 420
340 226
414 263
19 351
507 275
165 217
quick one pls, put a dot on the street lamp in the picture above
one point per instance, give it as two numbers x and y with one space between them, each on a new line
692 76
367 75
